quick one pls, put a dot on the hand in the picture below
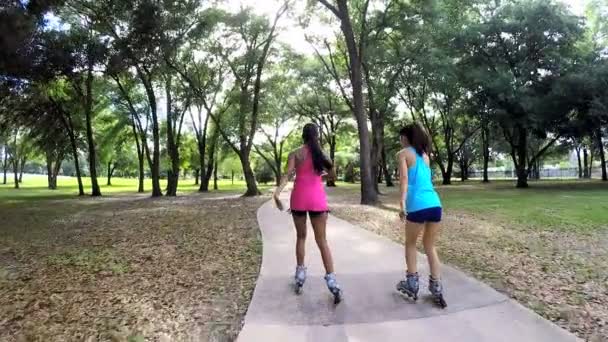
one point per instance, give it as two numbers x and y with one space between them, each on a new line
278 202
402 216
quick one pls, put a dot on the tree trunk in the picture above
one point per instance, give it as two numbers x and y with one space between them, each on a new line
16 171
580 164
109 183
232 171
387 175
70 130
600 146
485 138
5 164
172 148
331 182
155 167
197 173
522 150
446 172
376 150
585 163
215 187
369 195
140 155
252 187
56 169
22 166
88 112
49 170
207 174
591 155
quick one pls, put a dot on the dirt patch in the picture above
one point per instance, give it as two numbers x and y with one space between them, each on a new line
563 276
128 269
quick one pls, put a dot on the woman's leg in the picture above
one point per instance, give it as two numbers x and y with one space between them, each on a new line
412 231
431 232
319 224
300 223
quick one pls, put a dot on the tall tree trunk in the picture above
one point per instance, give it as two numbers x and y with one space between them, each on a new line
485 140
109 183
88 112
600 146
580 163
387 175
56 169
74 146
21 167
207 174
232 171
446 172
215 187
5 163
369 195
376 150
16 172
49 169
15 162
197 173
331 182
591 155
140 155
252 187
585 163
155 166
522 150
172 148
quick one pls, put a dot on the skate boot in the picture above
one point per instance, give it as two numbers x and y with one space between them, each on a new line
436 291
409 286
300 278
334 288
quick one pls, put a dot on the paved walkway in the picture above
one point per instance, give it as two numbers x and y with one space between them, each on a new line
368 266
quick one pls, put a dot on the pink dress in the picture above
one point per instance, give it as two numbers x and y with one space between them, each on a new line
308 192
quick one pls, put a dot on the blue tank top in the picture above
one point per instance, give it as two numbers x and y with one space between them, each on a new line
420 191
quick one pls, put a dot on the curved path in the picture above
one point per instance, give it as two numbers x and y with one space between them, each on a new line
368 266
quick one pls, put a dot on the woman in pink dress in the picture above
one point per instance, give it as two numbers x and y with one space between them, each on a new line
308 198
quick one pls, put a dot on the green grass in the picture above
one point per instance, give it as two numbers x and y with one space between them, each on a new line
581 205
35 187
551 205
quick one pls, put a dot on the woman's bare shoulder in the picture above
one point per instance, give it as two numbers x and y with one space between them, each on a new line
296 153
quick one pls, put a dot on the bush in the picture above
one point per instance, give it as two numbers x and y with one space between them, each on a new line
264 173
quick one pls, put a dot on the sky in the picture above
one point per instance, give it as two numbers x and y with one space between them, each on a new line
294 35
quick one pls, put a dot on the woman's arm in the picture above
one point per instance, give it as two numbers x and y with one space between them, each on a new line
287 175
403 182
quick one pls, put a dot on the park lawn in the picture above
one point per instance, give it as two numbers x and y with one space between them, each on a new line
34 187
125 267
546 246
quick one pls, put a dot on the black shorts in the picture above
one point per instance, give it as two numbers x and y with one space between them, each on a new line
425 215
311 213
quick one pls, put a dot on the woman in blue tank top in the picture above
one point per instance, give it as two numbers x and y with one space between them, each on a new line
420 210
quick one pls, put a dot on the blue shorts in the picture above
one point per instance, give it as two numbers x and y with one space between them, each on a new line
425 215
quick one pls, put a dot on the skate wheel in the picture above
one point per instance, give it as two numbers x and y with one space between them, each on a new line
337 298
298 289
441 302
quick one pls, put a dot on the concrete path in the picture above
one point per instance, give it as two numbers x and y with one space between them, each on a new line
368 267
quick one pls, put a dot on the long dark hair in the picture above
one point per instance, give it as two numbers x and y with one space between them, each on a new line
310 135
417 138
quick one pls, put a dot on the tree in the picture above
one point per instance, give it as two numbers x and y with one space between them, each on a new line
516 57
340 10
246 48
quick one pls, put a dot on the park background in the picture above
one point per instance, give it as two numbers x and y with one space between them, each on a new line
166 112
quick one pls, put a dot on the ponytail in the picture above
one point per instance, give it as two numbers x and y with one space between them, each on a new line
310 135
417 137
